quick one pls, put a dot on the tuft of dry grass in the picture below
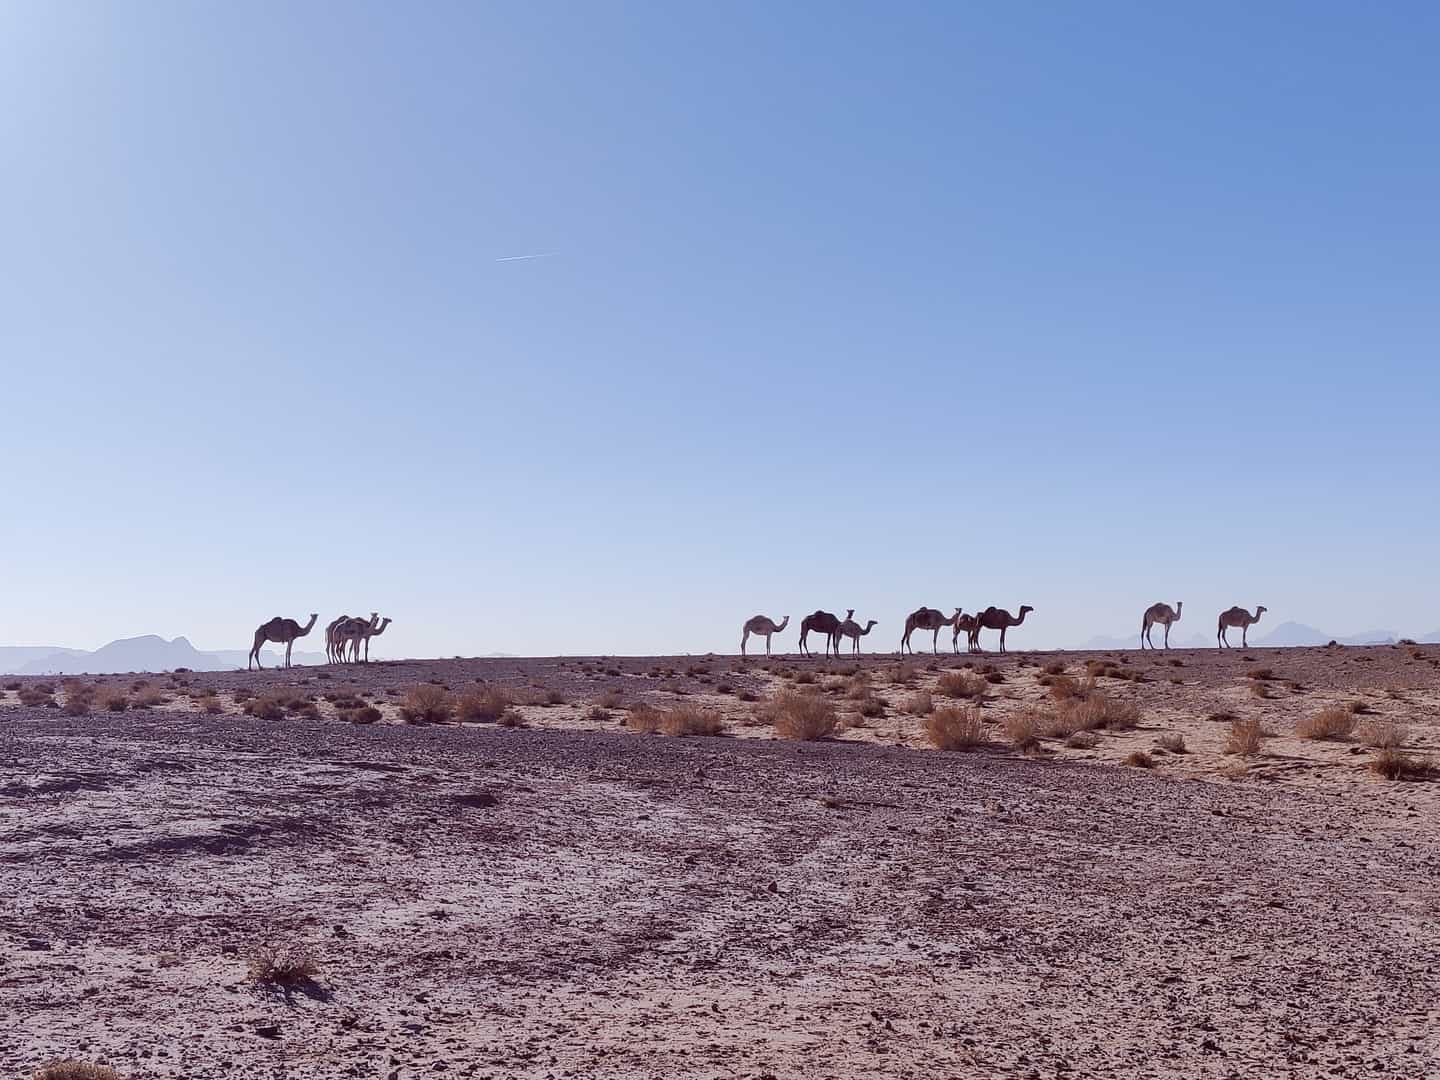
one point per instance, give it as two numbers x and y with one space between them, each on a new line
365 714
802 716
1068 688
1055 667
644 719
903 675
687 719
920 704
70 1069
149 697
1394 764
1098 711
510 718
282 965
1082 740
871 707
1139 759
1384 734
427 703
40 696
1331 722
1245 737
1172 741
961 684
1260 689
482 705
269 707
79 697
956 729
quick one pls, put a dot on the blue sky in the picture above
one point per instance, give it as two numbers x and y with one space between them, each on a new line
863 306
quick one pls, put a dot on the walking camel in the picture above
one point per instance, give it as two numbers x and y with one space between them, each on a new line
993 618
330 637
761 626
822 622
971 626
1237 616
335 632
1164 615
926 618
281 632
851 629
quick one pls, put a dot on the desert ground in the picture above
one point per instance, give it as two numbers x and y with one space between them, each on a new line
1126 865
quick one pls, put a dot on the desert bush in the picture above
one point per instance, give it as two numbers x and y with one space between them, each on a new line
858 688
921 704
13 685
1261 673
961 684
427 703
365 714
903 675
1068 688
70 1069
1139 759
805 678
955 729
1172 741
801 716
643 718
483 705
554 697
511 719
1082 740
871 707
1384 734
597 715
689 719
148 698
1055 667
36 697
1331 722
282 965
1022 730
1245 737
79 697
1099 710
112 699
1394 764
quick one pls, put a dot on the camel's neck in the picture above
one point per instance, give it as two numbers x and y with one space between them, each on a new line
381 628
1020 619
308 626
782 624
1178 607
868 625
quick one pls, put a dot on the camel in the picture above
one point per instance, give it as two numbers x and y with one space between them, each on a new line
926 618
822 622
281 632
851 629
330 638
1163 614
993 618
350 633
761 626
968 624
1237 616
373 631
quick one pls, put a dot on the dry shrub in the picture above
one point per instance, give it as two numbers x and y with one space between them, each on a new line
427 704
871 707
961 684
1068 688
366 714
597 715
1139 759
802 716
510 718
13 685
1082 740
644 719
1393 764
1245 737
1055 667
955 729
71 1069
112 699
858 688
1384 734
1172 741
691 720
36 697
921 704
149 698
1261 673
554 697
79 698
1260 689
903 675
1331 722
805 678
210 703
483 705
269 707
1099 710
1222 717
282 965
1022 730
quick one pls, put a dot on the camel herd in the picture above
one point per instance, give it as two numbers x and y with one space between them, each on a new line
344 634
992 618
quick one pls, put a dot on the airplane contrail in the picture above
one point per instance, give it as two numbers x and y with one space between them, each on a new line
518 258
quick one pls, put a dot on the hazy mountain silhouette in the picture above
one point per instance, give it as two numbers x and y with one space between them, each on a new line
147 653
1286 635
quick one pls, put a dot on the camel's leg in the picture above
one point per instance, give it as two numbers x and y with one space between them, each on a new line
1167 636
1245 637
935 642
767 644
744 637
1002 638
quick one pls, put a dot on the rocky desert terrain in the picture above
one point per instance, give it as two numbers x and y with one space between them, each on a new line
1119 865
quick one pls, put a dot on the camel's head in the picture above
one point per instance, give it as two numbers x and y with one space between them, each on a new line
1024 608
1179 604
784 622
1260 610
849 613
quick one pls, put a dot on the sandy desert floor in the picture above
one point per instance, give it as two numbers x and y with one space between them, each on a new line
566 897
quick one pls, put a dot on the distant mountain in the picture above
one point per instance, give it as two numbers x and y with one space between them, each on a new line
1285 636
1289 635
147 653
1371 637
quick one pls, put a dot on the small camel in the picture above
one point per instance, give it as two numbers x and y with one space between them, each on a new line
351 632
281 632
822 622
851 629
1237 616
993 618
1162 614
330 637
761 626
926 618
970 627
373 631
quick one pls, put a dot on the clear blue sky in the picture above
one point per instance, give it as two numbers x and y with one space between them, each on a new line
871 306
